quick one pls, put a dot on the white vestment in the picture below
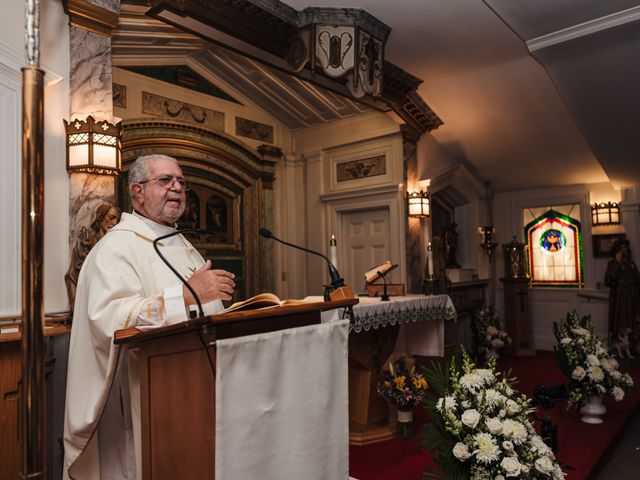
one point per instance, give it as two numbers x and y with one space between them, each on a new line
123 283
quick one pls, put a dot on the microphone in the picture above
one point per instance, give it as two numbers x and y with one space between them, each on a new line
336 281
186 284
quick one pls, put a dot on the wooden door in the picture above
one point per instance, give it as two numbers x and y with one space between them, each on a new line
366 238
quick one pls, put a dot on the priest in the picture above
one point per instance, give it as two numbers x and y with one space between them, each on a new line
123 283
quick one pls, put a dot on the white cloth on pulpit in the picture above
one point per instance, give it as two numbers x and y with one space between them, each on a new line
282 405
123 283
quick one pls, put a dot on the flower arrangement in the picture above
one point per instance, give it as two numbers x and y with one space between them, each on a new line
480 428
487 330
586 362
402 385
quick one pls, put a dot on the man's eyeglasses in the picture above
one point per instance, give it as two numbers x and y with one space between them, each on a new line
167 181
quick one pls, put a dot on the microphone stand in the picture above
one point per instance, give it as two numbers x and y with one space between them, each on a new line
385 295
186 284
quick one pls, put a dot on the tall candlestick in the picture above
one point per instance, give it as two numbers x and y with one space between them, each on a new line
333 250
430 260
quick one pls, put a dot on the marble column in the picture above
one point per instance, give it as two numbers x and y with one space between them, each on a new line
414 257
90 88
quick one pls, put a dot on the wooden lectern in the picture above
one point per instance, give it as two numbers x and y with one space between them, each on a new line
516 316
177 383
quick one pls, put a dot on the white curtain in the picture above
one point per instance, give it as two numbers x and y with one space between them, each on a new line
282 405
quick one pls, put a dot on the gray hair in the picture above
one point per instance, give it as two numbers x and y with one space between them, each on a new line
139 171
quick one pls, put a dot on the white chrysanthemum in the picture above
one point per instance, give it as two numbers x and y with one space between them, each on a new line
470 418
539 445
607 364
512 407
514 430
593 360
486 375
578 373
461 451
596 373
487 450
544 465
566 341
492 397
511 466
494 425
617 393
471 381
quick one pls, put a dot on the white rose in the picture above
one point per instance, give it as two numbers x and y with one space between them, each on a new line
512 407
470 418
494 425
507 446
578 373
511 466
461 451
544 465
617 393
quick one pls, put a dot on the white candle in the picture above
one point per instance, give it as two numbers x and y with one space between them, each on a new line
333 251
430 259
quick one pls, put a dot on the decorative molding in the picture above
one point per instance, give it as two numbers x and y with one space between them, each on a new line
361 192
270 152
584 29
92 18
366 167
255 130
170 108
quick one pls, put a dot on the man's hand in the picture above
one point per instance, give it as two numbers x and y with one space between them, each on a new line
209 284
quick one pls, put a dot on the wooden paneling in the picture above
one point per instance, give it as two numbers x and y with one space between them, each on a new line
10 447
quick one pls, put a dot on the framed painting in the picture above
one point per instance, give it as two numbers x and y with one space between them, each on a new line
602 244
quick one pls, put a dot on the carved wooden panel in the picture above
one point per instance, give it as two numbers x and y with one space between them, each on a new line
170 108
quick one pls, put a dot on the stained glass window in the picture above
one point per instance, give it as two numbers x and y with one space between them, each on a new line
554 237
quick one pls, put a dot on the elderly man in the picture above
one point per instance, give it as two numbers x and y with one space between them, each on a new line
123 283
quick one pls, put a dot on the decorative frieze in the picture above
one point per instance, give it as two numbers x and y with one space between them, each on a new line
256 130
367 167
169 108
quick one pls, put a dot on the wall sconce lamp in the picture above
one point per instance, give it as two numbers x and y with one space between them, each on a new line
605 213
488 245
418 204
93 147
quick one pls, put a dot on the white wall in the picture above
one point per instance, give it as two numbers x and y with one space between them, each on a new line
54 60
551 304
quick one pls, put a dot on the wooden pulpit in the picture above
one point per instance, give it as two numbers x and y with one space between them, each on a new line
177 366
516 316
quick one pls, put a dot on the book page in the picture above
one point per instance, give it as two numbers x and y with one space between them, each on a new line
259 301
373 273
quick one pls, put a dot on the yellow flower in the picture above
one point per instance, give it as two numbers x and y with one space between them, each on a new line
399 382
420 383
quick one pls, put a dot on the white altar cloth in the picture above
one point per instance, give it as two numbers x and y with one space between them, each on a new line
421 319
282 405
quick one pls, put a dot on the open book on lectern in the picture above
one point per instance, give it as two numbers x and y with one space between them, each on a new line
262 300
381 269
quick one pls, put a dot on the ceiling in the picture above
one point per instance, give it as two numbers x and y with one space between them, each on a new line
532 93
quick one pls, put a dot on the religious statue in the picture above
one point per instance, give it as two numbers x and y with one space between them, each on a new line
623 279
450 236
105 217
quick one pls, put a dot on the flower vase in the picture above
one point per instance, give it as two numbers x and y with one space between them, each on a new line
405 422
593 410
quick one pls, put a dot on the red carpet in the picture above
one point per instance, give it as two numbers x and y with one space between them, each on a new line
581 445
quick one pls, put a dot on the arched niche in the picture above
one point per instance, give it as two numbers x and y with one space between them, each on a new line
232 192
